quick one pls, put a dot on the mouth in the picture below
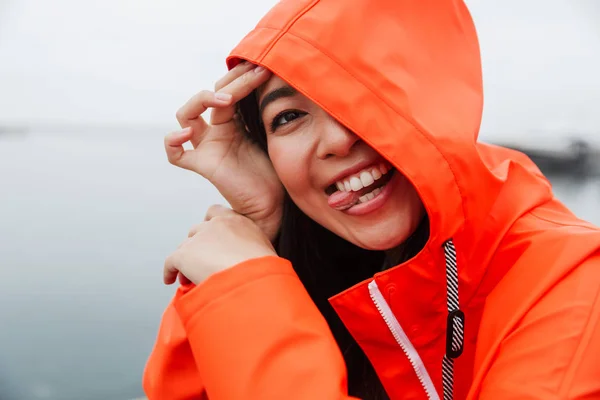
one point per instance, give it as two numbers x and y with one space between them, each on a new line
359 188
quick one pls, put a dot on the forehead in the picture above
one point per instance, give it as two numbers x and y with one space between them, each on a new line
273 83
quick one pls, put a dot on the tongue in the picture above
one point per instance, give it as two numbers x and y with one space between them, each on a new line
342 200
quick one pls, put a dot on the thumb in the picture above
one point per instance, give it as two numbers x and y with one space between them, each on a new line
171 269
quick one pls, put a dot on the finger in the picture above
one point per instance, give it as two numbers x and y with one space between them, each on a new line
233 74
238 89
176 154
195 229
198 104
183 280
178 138
186 241
218 210
190 113
170 270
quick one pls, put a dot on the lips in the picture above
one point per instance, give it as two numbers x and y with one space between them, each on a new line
365 191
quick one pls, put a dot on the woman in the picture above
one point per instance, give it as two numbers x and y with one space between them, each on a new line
374 249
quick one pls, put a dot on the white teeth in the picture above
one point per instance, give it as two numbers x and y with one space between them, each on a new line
363 179
376 173
355 184
366 178
369 196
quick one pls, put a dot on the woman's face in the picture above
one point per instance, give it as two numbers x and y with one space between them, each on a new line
334 177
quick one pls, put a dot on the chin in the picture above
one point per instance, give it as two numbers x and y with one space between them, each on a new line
390 231
381 237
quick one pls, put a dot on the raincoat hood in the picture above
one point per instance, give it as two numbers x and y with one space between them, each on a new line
403 78
406 77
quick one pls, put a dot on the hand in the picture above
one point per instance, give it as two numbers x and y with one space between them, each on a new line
240 171
225 239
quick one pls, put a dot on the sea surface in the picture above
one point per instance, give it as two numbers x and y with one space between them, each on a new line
86 222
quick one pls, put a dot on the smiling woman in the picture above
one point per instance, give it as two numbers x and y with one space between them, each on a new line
374 248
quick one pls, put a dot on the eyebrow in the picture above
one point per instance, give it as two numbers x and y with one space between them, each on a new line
279 93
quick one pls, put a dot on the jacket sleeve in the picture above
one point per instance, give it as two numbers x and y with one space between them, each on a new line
170 372
255 334
553 353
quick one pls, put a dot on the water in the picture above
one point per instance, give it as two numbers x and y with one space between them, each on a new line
85 225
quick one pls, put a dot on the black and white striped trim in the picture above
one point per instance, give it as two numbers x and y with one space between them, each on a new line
455 323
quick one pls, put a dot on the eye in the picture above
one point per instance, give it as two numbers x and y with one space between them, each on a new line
285 117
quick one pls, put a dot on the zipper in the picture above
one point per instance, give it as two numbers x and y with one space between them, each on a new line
403 341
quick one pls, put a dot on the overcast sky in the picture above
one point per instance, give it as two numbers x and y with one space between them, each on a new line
136 61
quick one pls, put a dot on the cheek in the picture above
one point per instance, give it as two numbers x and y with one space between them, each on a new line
291 160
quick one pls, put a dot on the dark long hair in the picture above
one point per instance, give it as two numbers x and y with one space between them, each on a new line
327 264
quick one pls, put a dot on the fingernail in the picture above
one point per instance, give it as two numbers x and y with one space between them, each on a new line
259 69
224 97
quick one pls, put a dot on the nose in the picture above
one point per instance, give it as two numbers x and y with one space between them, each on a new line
335 140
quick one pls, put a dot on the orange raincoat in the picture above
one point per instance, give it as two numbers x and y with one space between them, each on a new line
404 75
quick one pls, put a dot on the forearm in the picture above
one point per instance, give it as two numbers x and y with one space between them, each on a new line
256 334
